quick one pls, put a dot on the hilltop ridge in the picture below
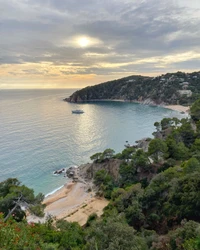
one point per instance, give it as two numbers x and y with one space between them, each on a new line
171 88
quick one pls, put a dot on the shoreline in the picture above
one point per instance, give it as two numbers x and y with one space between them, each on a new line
176 107
72 202
179 108
54 191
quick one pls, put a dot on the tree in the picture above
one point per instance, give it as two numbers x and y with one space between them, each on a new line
128 201
96 157
127 153
195 110
157 148
171 144
99 157
191 165
72 234
181 152
166 123
105 182
101 177
185 196
169 122
15 235
195 149
157 125
128 174
108 153
140 159
187 133
176 121
16 198
113 235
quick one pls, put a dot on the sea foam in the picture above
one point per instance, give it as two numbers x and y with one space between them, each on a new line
54 191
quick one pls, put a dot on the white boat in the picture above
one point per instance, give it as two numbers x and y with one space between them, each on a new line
77 111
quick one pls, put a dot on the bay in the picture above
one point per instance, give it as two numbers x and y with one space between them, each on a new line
39 134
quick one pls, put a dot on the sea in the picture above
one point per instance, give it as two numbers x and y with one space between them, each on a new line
39 134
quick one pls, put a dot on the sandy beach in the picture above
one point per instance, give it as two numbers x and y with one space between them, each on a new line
179 108
73 202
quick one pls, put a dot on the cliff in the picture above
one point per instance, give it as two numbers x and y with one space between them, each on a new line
171 88
111 166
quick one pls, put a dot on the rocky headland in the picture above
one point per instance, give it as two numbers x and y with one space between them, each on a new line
168 89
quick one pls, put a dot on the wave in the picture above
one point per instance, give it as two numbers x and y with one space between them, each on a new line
55 190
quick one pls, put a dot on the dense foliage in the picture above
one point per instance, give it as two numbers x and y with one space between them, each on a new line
15 198
154 203
168 89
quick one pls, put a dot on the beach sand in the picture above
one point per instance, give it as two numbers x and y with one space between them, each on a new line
94 205
73 202
179 108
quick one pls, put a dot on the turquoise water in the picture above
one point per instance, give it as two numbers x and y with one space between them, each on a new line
39 134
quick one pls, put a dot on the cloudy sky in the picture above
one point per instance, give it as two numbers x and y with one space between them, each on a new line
75 43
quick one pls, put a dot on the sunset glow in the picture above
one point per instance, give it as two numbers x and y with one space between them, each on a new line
69 45
83 41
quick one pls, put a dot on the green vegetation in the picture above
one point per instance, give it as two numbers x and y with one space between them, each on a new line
171 88
195 111
154 202
101 157
13 197
157 149
105 183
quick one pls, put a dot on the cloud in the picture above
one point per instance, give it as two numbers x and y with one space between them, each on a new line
125 36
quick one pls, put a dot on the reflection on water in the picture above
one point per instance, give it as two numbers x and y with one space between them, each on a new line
39 134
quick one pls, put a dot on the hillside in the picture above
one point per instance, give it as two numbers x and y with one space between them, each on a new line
152 195
171 88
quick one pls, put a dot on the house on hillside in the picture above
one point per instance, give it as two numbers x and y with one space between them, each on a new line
131 80
188 93
184 85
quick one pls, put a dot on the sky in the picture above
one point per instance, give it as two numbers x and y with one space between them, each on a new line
78 43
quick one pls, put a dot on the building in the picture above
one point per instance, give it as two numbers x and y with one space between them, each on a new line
188 93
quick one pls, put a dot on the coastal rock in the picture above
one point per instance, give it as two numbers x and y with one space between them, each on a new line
87 171
60 171
73 173
143 144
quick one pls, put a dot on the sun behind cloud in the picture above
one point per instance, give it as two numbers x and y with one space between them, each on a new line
84 42
81 41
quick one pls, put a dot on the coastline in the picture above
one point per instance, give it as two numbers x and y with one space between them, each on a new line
148 102
54 191
72 202
179 108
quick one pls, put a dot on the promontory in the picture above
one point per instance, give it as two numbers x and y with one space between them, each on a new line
167 89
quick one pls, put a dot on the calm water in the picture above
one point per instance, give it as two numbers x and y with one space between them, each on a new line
39 134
